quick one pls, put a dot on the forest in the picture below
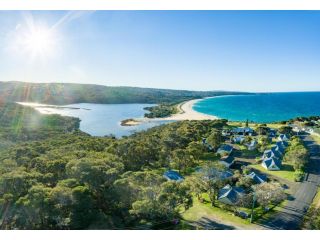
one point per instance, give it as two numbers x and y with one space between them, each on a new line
54 176
62 178
67 93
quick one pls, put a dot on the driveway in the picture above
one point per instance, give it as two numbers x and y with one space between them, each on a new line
291 216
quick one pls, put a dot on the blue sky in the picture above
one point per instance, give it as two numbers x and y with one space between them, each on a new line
195 50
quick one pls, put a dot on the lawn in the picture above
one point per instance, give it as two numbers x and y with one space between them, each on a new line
316 138
205 210
316 200
287 172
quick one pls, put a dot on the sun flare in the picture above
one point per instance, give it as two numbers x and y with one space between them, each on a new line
34 41
40 42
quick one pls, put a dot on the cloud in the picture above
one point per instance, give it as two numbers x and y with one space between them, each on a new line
71 16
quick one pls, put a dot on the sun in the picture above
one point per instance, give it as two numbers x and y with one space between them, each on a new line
40 42
34 41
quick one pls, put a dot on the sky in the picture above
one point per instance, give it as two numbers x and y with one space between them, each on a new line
258 51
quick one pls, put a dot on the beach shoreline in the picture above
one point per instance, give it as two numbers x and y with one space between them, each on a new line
186 112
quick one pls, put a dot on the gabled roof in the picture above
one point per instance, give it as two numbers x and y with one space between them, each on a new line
257 178
268 154
229 160
271 163
173 176
281 147
226 174
273 152
242 130
230 195
277 152
283 137
239 138
225 147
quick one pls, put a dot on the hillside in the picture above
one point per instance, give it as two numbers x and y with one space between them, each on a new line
67 93
21 124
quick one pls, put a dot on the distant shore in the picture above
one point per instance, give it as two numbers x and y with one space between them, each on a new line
39 106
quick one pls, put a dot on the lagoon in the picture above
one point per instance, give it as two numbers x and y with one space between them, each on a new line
261 108
103 119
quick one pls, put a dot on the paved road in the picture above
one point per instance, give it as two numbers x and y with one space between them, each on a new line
290 217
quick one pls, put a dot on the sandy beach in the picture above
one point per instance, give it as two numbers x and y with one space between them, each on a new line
187 113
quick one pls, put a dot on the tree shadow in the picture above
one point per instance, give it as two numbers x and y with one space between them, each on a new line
209 224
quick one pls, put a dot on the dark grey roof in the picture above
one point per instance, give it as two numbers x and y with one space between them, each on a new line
225 147
283 136
257 178
242 130
173 175
276 152
228 159
272 161
226 174
230 195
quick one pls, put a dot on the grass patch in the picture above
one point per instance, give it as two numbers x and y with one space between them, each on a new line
205 210
250 153
209 156
316 200
316 138
287 171
261 216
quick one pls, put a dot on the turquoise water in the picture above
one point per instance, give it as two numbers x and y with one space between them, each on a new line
104 119
262 108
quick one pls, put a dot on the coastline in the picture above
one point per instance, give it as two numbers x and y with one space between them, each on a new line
185 109
186 112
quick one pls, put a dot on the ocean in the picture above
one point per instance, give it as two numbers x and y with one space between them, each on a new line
261 108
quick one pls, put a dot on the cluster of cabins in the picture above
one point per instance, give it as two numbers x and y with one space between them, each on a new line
229 195
272 158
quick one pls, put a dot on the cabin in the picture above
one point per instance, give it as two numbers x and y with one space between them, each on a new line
230 195
173 176
271 164
226 174
226 132
282 144
245 131
271 153
281 147
252 145
257 178
225 150
272 132
227 161
283 137
298 130
278 152
238 139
